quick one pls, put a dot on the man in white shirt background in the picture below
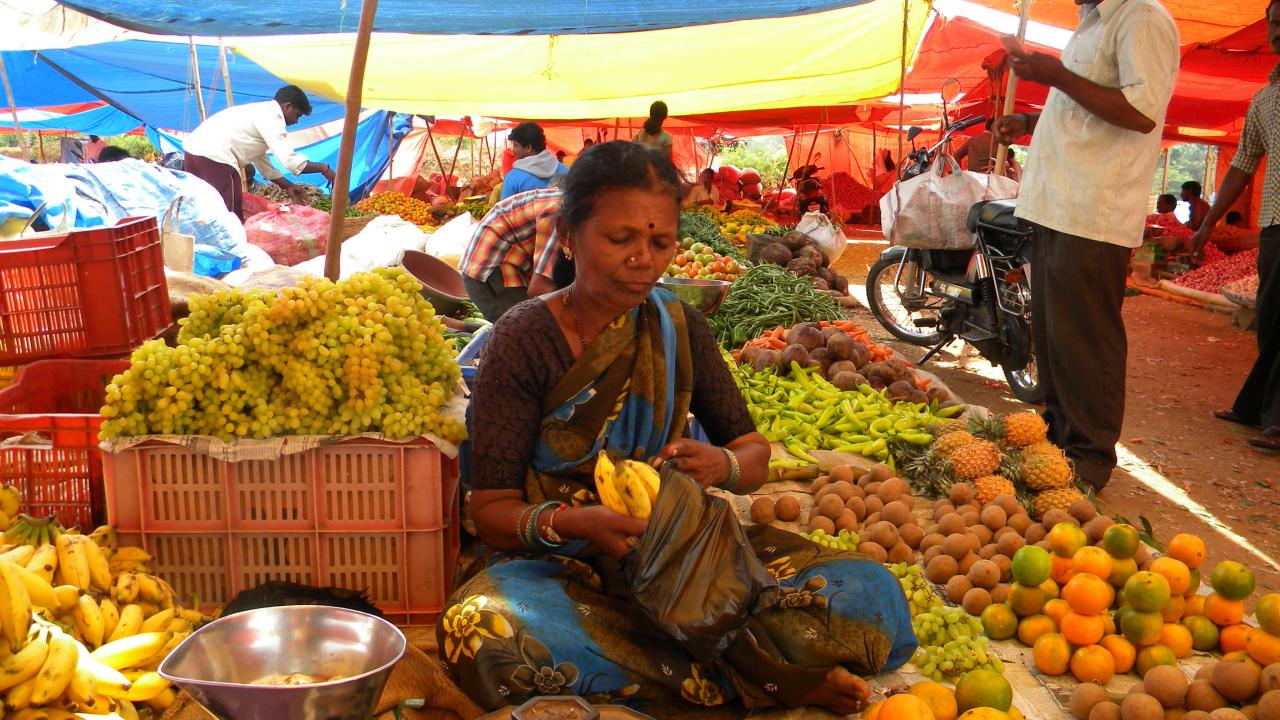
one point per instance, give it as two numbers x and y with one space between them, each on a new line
1084 190
229 140
704 192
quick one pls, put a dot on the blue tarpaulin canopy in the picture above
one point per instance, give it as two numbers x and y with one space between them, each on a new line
437 17
104 121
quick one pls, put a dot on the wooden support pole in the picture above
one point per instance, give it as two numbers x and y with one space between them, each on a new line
13 108
195 73
226 71
342 183
1164 175
1011 90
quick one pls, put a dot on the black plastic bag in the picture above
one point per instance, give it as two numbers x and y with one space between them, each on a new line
693 571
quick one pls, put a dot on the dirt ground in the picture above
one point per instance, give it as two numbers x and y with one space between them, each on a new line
1181 469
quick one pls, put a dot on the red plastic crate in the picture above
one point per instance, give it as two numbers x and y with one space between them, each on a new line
89 293
59 470
361 515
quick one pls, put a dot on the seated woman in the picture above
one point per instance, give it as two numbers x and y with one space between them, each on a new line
610 362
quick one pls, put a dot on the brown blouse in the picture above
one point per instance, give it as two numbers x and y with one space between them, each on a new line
524 359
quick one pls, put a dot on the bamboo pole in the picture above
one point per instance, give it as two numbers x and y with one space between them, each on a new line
1011 90
341 184
226 71
195 73
13 108
1164 175
431 136
40 145
902 77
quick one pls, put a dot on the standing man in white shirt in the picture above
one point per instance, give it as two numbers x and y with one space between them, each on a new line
225 143
1084 190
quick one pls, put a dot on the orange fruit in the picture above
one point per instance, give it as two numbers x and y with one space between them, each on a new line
1052 653
986 713
905 706
1062 568
1056 609
1223 612
1262 646
1153 655
1268 612
1109 623
1232 580
1093 663
1031 565
1122 651
1122 570
983 689
1025 600
1050 589
1092 560
1172 610
1175 571
1033 628
1088 594
1146 591
1141 628
1204 634
872 712
1065 539
1082 629
1186 547
1195 606
940 698
999 622
1121 541
1177 638
1234 638
1242 656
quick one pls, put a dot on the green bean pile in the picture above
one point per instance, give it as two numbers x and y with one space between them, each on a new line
765 297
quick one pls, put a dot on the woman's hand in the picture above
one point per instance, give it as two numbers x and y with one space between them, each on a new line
612 532
705 463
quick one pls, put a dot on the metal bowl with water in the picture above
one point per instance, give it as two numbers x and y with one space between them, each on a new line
704 295
219 663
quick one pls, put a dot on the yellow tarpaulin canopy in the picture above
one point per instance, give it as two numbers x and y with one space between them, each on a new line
827 58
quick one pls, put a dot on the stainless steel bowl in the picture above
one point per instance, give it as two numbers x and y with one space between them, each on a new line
219 662
705 295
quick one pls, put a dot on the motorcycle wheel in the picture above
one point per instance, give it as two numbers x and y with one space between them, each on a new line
1025 382
896 315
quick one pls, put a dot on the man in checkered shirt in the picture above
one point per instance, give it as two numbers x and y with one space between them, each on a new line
1258 404
512 252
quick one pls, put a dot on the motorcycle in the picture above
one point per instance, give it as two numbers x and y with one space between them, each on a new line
810 195
981 295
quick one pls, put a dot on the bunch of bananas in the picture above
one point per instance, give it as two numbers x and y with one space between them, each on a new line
83 625
629 487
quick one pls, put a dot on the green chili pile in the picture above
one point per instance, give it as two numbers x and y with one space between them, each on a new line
765 297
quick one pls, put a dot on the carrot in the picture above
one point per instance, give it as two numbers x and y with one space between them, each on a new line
777 344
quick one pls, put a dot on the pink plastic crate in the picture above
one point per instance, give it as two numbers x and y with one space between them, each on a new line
361 515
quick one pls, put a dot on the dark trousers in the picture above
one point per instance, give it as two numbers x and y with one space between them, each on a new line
1259 399
1077 291
491 297
224 178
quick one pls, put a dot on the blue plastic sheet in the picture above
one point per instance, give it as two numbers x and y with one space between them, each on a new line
436 17
103 121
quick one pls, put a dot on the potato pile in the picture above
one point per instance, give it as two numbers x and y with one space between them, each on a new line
1233 689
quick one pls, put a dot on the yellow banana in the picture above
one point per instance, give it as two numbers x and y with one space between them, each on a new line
15 607
631 489
132 651
647 476
179 625
67 596
20 555
172 645
40 592
23 665
149 589
132 554
193 617
44 713
108 682
146 685
19 696
83 688
158 622
148 609
161 702
58 668
126 588
99 568
126 710
87 616
43 562
110 616
73 563
604 484
104 536
10 501
130 623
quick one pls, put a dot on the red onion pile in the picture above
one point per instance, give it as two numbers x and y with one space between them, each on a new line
1211 277
846 193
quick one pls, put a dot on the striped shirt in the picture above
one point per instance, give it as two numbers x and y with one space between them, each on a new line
1261 136
516 236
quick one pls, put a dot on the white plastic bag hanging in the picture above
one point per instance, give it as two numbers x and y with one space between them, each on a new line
931 211
829 236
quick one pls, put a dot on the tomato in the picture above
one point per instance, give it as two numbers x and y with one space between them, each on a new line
732 266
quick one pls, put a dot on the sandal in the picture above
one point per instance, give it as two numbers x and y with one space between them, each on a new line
1231 417
1268 440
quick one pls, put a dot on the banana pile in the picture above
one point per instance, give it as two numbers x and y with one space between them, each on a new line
629 487
83 625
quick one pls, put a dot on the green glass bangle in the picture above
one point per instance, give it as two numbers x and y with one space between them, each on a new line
735 472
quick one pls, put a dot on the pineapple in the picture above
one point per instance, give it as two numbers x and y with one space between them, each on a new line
1024 428
1056 498
929 474
1042 448
975 460
990 487
945 426
1046 471
1011 465
948 443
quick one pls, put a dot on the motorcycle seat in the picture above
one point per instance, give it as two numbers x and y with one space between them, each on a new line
993 213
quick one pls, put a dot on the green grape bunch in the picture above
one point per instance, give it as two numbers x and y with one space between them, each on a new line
845 540
951 644
366 354
919 593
